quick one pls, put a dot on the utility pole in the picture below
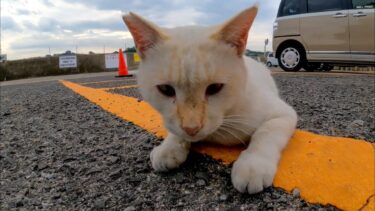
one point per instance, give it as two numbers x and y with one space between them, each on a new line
265 47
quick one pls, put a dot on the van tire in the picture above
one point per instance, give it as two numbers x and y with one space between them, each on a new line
269 64
291 58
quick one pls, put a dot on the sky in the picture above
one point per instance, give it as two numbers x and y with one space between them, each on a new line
32 28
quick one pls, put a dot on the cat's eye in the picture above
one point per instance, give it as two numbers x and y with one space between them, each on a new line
214 89
166 90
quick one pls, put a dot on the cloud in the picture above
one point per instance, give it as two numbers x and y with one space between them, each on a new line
180 17
8 24
23 12
33 26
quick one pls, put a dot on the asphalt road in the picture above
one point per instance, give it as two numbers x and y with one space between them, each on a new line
60 151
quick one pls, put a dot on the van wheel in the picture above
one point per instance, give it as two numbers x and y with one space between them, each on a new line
269 64
291 58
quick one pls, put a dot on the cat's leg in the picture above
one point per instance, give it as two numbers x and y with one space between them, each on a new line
170 154
257 165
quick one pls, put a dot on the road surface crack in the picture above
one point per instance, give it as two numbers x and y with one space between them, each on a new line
367 202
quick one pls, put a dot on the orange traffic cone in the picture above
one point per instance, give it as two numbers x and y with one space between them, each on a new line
122 69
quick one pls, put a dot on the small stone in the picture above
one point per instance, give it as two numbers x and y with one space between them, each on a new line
275 195
116 174
223 197
179 178
202 175
201 182
113 159
100 203
296 192
47 175
67 169
131 208
19 202
235 208
269 206
69 159
41 166
358 122
94 171
56 196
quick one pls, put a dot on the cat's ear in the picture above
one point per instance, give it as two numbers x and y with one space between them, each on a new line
145 34
235 31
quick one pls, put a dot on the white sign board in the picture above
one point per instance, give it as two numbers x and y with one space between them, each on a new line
67 61
111 60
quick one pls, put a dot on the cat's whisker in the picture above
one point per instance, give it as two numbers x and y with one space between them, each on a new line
228 130
237 128
217 132
236 120
242 124
236 116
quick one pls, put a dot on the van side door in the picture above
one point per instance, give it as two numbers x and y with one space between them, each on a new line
325 30
362 30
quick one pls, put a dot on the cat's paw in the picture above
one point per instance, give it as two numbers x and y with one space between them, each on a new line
252 173
166 157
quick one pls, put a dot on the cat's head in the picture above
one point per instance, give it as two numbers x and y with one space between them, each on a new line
192 75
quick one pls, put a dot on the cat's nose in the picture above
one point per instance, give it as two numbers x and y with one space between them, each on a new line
191 131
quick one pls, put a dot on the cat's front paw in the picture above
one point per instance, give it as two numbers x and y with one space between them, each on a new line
168 156
252 173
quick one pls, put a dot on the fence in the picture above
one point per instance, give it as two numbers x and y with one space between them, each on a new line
47 66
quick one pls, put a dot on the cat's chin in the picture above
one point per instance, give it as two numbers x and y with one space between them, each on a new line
193 139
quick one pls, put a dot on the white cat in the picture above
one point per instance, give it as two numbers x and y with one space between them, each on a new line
206 90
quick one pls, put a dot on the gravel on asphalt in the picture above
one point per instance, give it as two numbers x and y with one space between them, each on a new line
60 151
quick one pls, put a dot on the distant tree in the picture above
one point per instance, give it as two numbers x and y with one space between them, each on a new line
130 50
90 52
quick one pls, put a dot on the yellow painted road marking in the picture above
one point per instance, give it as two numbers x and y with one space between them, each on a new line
123 107
118 87
326 170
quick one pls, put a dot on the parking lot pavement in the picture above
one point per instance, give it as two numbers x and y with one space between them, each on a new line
61 151
81 77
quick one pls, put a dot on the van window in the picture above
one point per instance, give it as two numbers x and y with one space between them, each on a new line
324 5
363 4
289 7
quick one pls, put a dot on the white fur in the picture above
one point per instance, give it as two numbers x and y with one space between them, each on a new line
248 110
